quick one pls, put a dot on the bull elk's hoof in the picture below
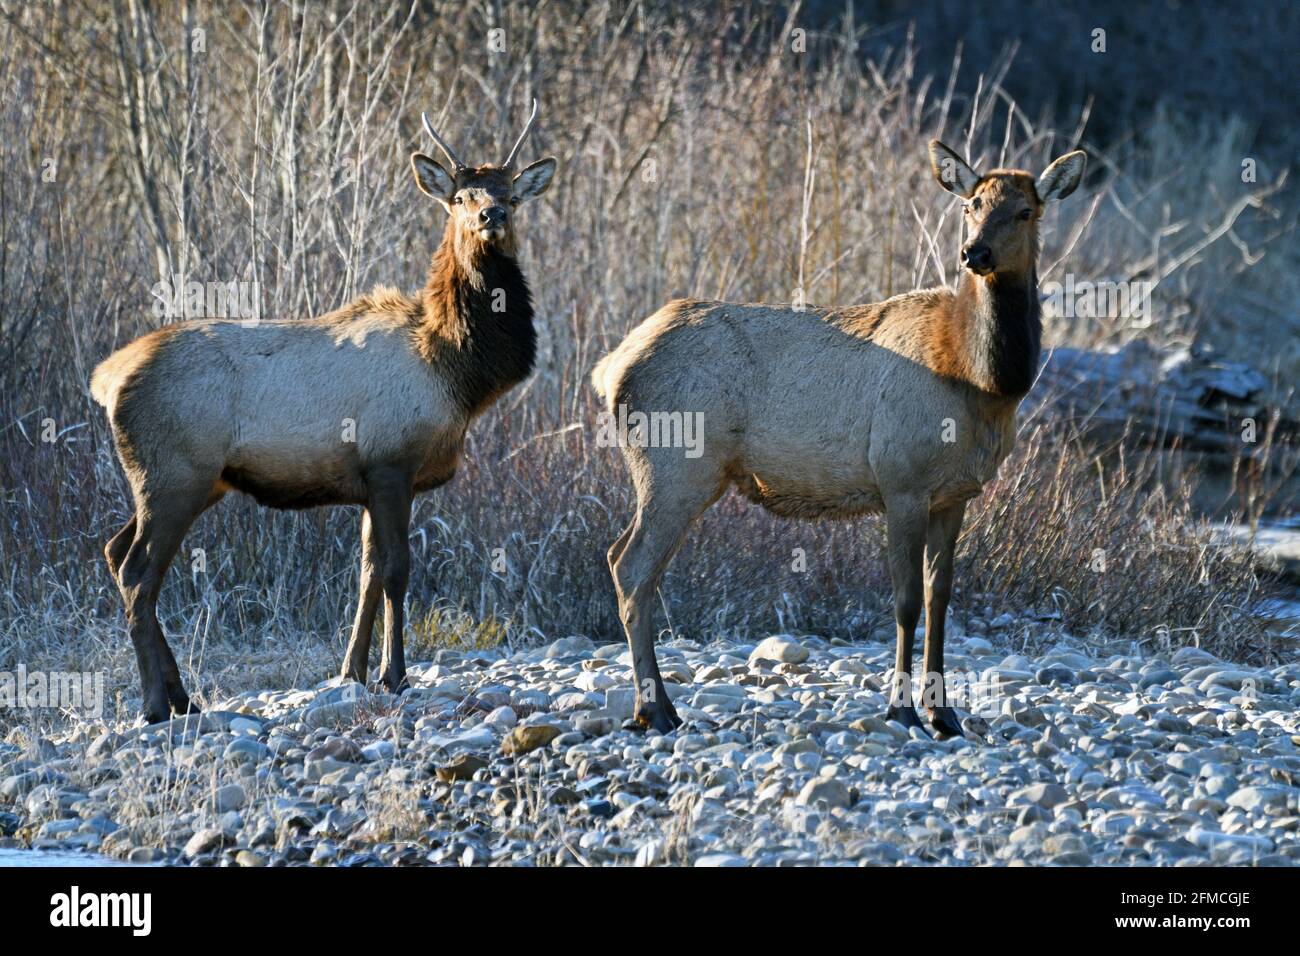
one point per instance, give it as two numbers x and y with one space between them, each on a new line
181 703
178 704
945 722
662 720
907 716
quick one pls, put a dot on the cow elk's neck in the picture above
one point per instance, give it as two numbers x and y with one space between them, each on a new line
478 318
1003 330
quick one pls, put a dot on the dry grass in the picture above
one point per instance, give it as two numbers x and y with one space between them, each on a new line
278 153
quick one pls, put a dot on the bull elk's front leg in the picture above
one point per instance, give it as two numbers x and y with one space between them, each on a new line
357 659
390 511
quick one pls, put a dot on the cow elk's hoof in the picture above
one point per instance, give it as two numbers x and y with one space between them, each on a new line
397 685
907 716
945 722
662 720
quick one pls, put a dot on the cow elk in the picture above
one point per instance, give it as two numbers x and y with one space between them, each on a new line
367 405
905 407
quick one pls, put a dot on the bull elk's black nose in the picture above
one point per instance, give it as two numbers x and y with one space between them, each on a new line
493 216
978 257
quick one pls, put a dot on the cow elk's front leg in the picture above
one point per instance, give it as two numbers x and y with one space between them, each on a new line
905 520
940 547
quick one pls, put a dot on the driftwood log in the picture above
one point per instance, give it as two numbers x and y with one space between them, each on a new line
1154 397
1219 411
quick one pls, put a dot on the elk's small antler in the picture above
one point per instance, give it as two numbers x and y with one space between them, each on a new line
522 136
428 128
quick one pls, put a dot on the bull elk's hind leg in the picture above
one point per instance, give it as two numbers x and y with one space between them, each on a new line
905 522
179 701
162 518
940 547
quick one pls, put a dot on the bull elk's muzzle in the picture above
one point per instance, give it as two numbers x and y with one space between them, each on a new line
492 220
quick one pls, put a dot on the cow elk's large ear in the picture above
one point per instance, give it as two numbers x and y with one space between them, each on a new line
1062 177
951 170
433 180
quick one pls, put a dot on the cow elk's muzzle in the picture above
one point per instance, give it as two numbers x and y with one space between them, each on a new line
978 258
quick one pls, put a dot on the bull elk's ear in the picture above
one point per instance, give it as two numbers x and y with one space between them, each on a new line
1062 177
432 179
534 179
951 170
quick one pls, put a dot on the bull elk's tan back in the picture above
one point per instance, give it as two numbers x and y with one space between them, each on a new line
905 407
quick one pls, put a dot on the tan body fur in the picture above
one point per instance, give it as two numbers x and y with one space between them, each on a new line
264 409
849 409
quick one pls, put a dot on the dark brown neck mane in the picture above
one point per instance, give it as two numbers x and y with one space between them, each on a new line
478 319
1003 330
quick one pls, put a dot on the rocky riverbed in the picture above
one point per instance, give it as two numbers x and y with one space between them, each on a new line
495 759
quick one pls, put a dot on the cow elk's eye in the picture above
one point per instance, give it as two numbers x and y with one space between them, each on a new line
1025 215
513 200
457 200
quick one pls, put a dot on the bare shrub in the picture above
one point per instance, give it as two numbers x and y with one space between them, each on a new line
274 151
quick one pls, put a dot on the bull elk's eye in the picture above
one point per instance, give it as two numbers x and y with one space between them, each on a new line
1025 215
457 200
974 205
513 200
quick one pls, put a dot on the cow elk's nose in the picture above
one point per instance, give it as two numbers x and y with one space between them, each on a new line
977 257
493 216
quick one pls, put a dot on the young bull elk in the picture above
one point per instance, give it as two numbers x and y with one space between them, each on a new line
367 405
906 406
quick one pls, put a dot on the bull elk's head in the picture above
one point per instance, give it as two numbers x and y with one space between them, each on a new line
482 199
1003 207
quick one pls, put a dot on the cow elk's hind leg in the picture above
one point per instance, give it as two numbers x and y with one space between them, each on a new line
905 520
117 547
647 547
940 548
357 660
390 512
616 549
636 572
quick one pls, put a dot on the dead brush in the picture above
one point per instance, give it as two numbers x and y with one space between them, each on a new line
317 181
1113 547
395 812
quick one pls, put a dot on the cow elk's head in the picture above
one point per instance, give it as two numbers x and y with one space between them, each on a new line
1003 207
482 200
